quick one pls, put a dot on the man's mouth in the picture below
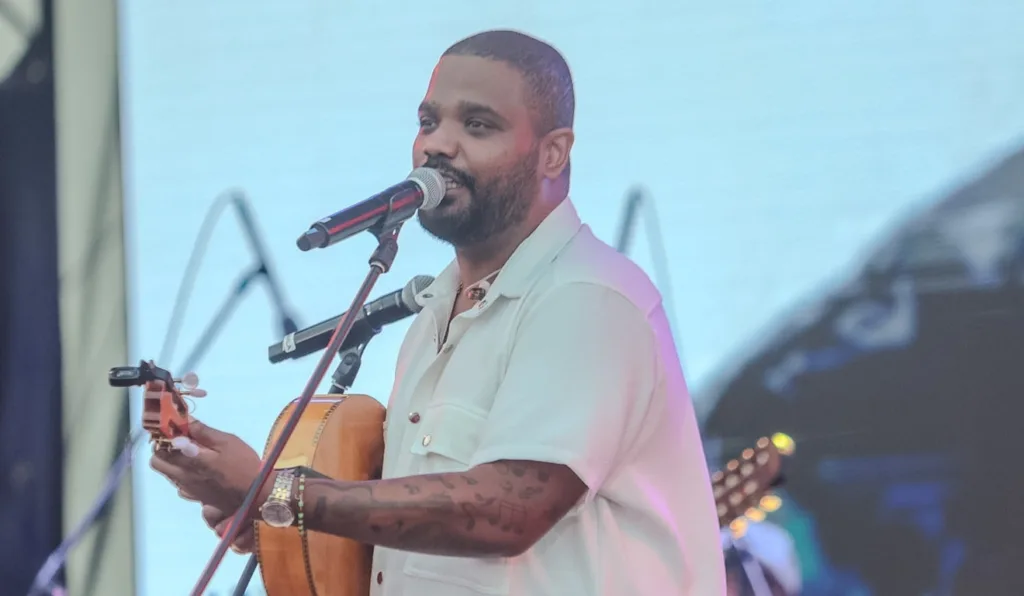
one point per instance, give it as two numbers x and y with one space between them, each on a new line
450 183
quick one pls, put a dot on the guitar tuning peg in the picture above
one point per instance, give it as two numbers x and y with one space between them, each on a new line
738 527
770 503
754 514
189 381
784 443
195 392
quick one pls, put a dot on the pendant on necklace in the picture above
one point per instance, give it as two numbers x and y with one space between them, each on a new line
477 293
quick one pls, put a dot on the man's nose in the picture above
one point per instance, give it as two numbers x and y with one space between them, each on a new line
441 143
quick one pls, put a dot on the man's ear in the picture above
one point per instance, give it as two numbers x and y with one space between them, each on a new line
554 153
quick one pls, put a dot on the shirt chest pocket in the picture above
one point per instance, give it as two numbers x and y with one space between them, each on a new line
447 437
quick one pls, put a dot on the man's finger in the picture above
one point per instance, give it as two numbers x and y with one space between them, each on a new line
220 521
246 541
206 436
222 527
185 446
213 516
175 462
167 466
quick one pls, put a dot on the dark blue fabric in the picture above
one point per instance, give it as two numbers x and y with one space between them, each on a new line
30 355
906 408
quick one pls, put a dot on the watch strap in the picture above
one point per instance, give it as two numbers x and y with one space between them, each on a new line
284 486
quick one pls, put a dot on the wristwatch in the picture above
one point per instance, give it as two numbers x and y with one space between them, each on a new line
277 511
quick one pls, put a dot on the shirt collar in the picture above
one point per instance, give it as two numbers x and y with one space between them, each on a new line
526 263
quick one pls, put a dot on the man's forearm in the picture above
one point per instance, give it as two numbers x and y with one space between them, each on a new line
493 510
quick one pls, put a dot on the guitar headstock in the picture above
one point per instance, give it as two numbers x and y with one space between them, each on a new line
743 489
165 413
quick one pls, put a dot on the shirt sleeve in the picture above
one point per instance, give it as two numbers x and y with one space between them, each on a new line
580 379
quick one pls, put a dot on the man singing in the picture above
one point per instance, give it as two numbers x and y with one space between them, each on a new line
540 437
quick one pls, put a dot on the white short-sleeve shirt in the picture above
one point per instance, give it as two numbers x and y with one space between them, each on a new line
568 359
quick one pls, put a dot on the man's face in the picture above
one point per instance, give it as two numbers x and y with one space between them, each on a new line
476 129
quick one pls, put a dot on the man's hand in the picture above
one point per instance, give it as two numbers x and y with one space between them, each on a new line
220 473
219 521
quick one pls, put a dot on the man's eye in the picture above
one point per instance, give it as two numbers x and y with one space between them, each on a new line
477 124
426 122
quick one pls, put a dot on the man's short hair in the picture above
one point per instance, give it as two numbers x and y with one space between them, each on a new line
547 75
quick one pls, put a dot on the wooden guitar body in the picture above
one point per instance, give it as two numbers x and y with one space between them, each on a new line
340 436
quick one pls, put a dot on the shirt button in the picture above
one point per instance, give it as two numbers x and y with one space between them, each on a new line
380 577
426 440
414 417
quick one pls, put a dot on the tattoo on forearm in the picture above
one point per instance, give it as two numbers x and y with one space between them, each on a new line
491 510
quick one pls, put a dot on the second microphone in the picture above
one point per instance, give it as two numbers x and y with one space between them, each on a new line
389 308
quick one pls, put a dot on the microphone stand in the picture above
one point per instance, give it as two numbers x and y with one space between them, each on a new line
224 312
45 581
380 262
343 379
751 568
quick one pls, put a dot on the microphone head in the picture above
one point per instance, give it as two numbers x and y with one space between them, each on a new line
432 183
414 287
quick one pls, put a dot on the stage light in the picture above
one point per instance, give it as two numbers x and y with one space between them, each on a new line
784 443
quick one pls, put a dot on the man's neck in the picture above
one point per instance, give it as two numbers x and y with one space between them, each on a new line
478 261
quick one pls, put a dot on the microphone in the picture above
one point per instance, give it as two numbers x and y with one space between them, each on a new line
423 189
389 308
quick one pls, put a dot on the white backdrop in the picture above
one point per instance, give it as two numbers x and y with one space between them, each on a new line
777 140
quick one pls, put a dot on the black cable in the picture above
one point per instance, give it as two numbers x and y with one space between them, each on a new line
656 244
188 278
637 198
243 210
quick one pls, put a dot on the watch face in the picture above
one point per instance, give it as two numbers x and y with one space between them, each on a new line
278 515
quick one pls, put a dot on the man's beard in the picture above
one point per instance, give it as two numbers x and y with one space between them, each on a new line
495 205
